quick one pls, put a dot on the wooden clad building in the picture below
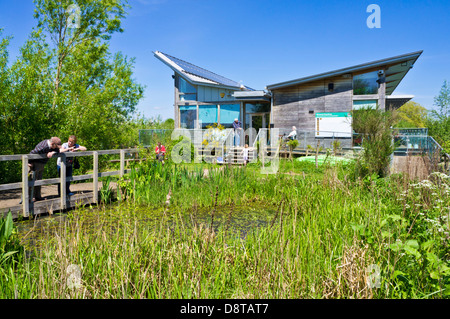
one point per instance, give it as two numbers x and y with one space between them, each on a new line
305 102
320 103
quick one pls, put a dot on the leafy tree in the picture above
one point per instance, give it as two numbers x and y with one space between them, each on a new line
412 115
438 122
95 20
66 81
442 102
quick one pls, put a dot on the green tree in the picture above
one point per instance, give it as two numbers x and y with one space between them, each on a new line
412 115
438 122
66 81
93 91
442 102
94 20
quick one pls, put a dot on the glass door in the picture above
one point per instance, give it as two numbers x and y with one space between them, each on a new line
257 122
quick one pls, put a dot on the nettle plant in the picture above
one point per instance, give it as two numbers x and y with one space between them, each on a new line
419 236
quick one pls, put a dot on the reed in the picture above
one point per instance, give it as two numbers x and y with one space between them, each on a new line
320 241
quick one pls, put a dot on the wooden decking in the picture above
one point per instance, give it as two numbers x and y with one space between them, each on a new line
84 195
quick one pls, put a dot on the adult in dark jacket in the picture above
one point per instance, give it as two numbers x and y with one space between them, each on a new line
36 166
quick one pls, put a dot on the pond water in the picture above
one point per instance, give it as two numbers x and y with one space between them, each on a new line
239 220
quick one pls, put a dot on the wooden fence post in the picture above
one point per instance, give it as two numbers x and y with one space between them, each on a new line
62 184
122 163
25 190
95 178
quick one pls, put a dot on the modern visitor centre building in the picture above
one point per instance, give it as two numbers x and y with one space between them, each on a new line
320 103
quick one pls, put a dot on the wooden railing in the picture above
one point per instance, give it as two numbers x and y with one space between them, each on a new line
27 203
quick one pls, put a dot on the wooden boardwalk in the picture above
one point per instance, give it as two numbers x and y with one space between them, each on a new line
85 192
10 200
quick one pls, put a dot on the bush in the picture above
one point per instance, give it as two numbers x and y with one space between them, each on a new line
376 127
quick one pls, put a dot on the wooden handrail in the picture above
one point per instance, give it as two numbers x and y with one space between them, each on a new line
27 203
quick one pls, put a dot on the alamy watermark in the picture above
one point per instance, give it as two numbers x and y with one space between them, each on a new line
373 273
74 277
220 145
74 18
374 20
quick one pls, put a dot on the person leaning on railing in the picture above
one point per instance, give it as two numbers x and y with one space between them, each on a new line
36 167
70 146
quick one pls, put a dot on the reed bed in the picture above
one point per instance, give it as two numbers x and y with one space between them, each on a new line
322 238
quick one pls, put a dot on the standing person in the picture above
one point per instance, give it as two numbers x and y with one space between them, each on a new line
36 167
70 146
245 153
160 151
237 126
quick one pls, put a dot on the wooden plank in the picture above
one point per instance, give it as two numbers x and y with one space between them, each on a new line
11 157
122 162
104 174
25 192
95 178
62 184
7 187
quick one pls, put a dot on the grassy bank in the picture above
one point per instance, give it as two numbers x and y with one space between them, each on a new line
327 237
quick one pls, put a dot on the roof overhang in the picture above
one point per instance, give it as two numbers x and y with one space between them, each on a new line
395 69
192 78
257 95
394 102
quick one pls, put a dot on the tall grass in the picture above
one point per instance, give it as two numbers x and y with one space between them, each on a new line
324 237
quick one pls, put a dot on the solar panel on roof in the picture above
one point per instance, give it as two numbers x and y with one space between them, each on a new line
198 71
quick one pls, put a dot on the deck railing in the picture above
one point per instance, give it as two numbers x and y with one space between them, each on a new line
26 184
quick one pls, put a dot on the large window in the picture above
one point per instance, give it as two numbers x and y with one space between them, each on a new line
187 91
365 104
207 114
229 112
365 83
188 116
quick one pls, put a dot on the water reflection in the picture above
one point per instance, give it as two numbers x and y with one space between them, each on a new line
238 221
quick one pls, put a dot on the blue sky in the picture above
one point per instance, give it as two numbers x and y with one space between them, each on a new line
261 42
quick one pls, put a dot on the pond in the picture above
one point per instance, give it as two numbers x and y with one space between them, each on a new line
237 220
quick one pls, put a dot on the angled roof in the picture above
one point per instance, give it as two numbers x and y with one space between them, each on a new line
394 102
396 68
196 74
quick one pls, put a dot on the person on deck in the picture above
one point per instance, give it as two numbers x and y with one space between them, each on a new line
245 153
70 146
237 127
160 151
293 134
36 166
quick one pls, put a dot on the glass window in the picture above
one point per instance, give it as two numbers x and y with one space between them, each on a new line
366 104
229 112
365 83
257 107
187 91
207 114
188 116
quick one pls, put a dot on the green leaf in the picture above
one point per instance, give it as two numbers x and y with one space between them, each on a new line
396 246
412 243
428 244
412 251
435 274
386 234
